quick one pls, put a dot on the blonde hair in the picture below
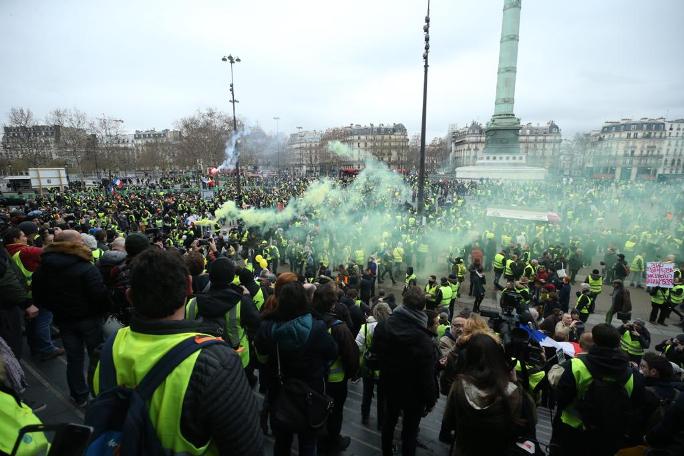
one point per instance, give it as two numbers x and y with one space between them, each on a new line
476 325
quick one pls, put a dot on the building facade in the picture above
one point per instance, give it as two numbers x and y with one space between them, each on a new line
38 145
644 149
389 144
304 151
308 152
540 145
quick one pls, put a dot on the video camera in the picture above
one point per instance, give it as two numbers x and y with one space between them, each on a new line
516 340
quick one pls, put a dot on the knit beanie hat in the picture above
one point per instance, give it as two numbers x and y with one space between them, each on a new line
221 273
136 243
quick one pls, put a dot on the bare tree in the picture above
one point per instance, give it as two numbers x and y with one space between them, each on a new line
75 139
111 146
203 138
20 117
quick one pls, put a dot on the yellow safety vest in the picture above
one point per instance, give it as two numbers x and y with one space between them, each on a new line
583 304
498 261
674 299
509 269
97 253
367 343
460 270
431 290
13 417
234 332
447 294
336 372
398 255
659 297
583 379
637 264
454 287
360 257
409 278
595 285
28 275
631 346
134 355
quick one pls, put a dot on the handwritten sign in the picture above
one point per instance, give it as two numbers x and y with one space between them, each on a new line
659 274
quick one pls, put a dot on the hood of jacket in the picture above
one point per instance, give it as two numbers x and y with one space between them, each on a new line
217 302
407 325
480 399
595 276
609 362
112 258
65 254
293 334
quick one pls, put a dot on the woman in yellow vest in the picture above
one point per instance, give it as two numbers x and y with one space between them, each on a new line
364 340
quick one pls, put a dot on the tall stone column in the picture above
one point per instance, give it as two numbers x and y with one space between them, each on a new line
501 135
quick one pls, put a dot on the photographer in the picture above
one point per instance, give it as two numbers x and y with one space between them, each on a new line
635 338
511 299
673 349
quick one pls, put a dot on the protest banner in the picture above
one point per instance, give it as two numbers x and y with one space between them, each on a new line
659 274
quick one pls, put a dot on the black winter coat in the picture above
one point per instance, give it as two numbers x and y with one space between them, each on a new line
216 303
218 403
68 284
408 357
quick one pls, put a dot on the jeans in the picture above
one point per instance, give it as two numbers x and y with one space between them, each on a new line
338 392
387 270
635 278
38 333
77 336
409 430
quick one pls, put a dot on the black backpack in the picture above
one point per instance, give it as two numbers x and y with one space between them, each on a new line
606 408
119 415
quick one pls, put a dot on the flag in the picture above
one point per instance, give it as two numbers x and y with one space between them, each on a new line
118 183
546 341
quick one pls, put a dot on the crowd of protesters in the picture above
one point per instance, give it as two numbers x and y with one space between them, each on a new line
126 277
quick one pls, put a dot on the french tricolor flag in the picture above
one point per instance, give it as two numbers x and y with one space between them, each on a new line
569 348
118 183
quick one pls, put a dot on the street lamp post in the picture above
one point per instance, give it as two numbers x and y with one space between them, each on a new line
232 60
421 169
277 143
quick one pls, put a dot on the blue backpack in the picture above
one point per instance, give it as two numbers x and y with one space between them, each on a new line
119 415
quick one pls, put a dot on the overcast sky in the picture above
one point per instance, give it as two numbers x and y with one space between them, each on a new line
318 63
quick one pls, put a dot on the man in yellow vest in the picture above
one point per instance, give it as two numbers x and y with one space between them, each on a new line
595 282
431 292
188 410
498 266
659 298
398 258
226 306
444 295
637 271
635 339
575 430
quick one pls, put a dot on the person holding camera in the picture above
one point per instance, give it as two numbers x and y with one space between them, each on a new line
635 338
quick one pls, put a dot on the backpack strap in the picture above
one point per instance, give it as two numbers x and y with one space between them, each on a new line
107 368
170 361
